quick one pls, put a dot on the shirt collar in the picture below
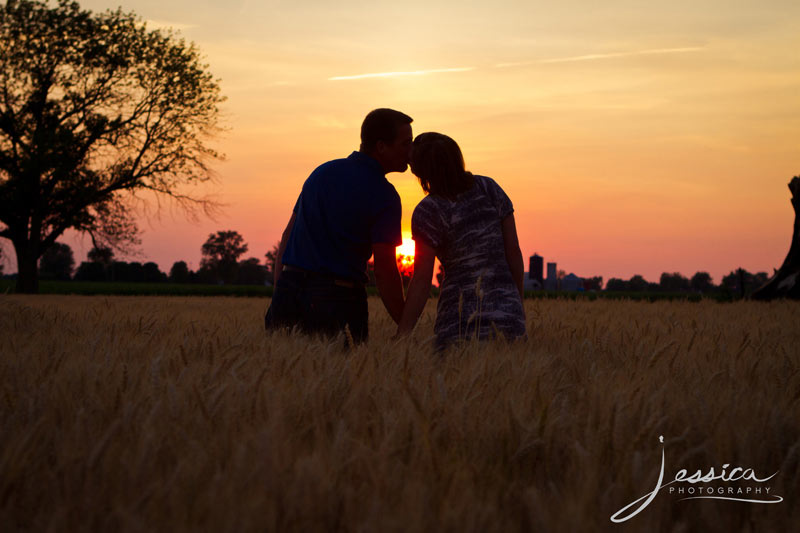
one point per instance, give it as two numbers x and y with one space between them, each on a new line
368 160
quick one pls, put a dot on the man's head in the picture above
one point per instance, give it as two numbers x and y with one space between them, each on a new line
386 136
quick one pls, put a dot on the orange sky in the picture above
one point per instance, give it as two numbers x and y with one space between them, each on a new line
632 138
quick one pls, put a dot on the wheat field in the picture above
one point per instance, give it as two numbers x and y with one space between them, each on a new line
178 414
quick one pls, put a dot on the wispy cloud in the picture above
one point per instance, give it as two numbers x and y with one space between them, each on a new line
588 57
406 73
591 57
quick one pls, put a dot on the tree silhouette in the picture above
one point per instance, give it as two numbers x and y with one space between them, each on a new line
251 272
94 109
127 272
101 254
674 282
179 273
98 267
57 262
594 283
616 284
271 257
701 282
742 283
637 283
152 273
221 253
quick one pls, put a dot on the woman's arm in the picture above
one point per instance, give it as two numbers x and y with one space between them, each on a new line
513 253
420 287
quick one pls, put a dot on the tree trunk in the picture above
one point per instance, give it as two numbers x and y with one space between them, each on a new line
786 281
27 271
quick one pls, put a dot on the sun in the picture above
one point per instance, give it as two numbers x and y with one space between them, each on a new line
405 252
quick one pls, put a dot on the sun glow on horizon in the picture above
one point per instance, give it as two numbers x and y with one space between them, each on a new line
405 252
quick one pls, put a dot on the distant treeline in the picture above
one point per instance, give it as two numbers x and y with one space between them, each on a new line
738 283
221 265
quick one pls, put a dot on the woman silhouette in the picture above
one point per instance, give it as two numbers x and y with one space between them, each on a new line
466 221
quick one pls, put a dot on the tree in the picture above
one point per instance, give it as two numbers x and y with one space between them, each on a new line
57 262
132 272
759 280
638 284
123 271
594 283
179 273
742 283
221 253
731 281
153 274
674 282
786 280
251 272
101 254
701 282
617 285
95 110
271 257
99 267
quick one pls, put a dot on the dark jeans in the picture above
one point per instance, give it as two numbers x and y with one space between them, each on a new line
316 304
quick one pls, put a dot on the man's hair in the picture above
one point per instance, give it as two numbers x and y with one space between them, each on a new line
437 161
381 125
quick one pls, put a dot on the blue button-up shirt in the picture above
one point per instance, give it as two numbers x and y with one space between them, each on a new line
345 207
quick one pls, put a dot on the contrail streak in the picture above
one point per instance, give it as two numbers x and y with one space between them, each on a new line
591 57
588 57
407 73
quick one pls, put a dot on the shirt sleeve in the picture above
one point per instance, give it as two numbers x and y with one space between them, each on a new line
386 228
500 199
427 225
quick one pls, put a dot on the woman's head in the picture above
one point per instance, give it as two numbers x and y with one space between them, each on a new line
437 161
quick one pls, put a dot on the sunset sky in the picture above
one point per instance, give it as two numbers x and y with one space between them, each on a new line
632 137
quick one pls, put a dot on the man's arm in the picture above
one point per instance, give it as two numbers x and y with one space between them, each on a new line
513 253
387 278
281 249
420 287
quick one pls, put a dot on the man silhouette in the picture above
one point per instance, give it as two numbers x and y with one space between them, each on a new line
347 211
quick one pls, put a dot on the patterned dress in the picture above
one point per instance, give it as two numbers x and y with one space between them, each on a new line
478 292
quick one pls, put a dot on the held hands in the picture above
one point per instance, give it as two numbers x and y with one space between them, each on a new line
418 290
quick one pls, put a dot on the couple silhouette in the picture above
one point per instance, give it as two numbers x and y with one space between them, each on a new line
348 212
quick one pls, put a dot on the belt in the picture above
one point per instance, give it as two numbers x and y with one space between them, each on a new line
316 275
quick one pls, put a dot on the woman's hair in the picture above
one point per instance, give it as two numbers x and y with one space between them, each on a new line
437 161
